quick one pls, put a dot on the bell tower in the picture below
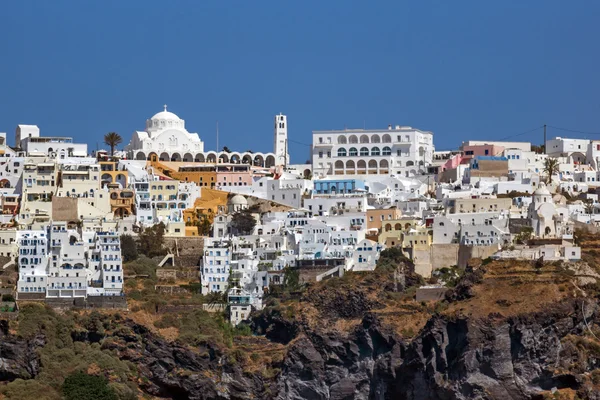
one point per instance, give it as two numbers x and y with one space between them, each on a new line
280 141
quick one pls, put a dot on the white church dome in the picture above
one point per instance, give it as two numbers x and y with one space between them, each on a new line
166 115
238 199
164 119
542 191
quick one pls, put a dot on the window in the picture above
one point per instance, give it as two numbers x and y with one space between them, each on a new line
320 140
320 154
364 151
386 151
353 151
341 152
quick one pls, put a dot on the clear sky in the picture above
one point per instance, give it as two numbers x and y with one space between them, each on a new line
462 69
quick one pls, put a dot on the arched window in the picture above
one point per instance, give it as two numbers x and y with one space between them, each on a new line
375 151
350 165
364 139
364 151
341 139
410 163
342 152
386 151
353 151
339 164
375 139
372 164
353 139
386 138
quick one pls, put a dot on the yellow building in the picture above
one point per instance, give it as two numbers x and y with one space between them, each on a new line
111 176
376 218
164 193
208 204
204 175
393 231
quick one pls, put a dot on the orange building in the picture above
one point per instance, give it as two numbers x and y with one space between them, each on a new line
122 202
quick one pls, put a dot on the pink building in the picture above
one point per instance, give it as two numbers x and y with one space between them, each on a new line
234 175
482 150
452 162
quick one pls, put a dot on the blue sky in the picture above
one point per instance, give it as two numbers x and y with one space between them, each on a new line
463 69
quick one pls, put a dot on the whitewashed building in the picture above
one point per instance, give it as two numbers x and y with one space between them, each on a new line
401 151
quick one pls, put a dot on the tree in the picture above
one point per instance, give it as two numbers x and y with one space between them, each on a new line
291 280
79 386
541 149
550 168
525 235
589 208
151 240
204 226
243 222
128 248
112 139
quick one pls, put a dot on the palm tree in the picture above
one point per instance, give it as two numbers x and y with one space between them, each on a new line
550 168
112 139
589 208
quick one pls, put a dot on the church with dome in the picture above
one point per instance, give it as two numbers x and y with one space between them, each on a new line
548 219
166 139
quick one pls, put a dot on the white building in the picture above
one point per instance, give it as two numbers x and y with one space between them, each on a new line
575 150
215 266
166 139
28 139
288 191
32 261
66 263
401 151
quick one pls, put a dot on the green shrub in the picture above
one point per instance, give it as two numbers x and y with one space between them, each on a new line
80 386
29 389
167 321
129 248
8 297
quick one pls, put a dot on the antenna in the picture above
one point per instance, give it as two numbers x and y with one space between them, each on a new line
217 136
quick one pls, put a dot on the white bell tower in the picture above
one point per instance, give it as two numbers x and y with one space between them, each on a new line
280 145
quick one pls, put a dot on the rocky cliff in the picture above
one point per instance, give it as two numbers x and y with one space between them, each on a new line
354 339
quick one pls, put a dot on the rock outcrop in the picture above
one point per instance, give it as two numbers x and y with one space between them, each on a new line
494 358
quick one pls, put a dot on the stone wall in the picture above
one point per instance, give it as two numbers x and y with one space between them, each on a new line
187 250
431 293
422 258
444 255
466 253
164 274
515 225
113 302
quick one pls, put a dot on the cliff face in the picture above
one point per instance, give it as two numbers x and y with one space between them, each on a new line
451 358
495 358
505 332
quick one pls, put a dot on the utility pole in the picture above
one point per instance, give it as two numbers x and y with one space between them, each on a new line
285 155
545 152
